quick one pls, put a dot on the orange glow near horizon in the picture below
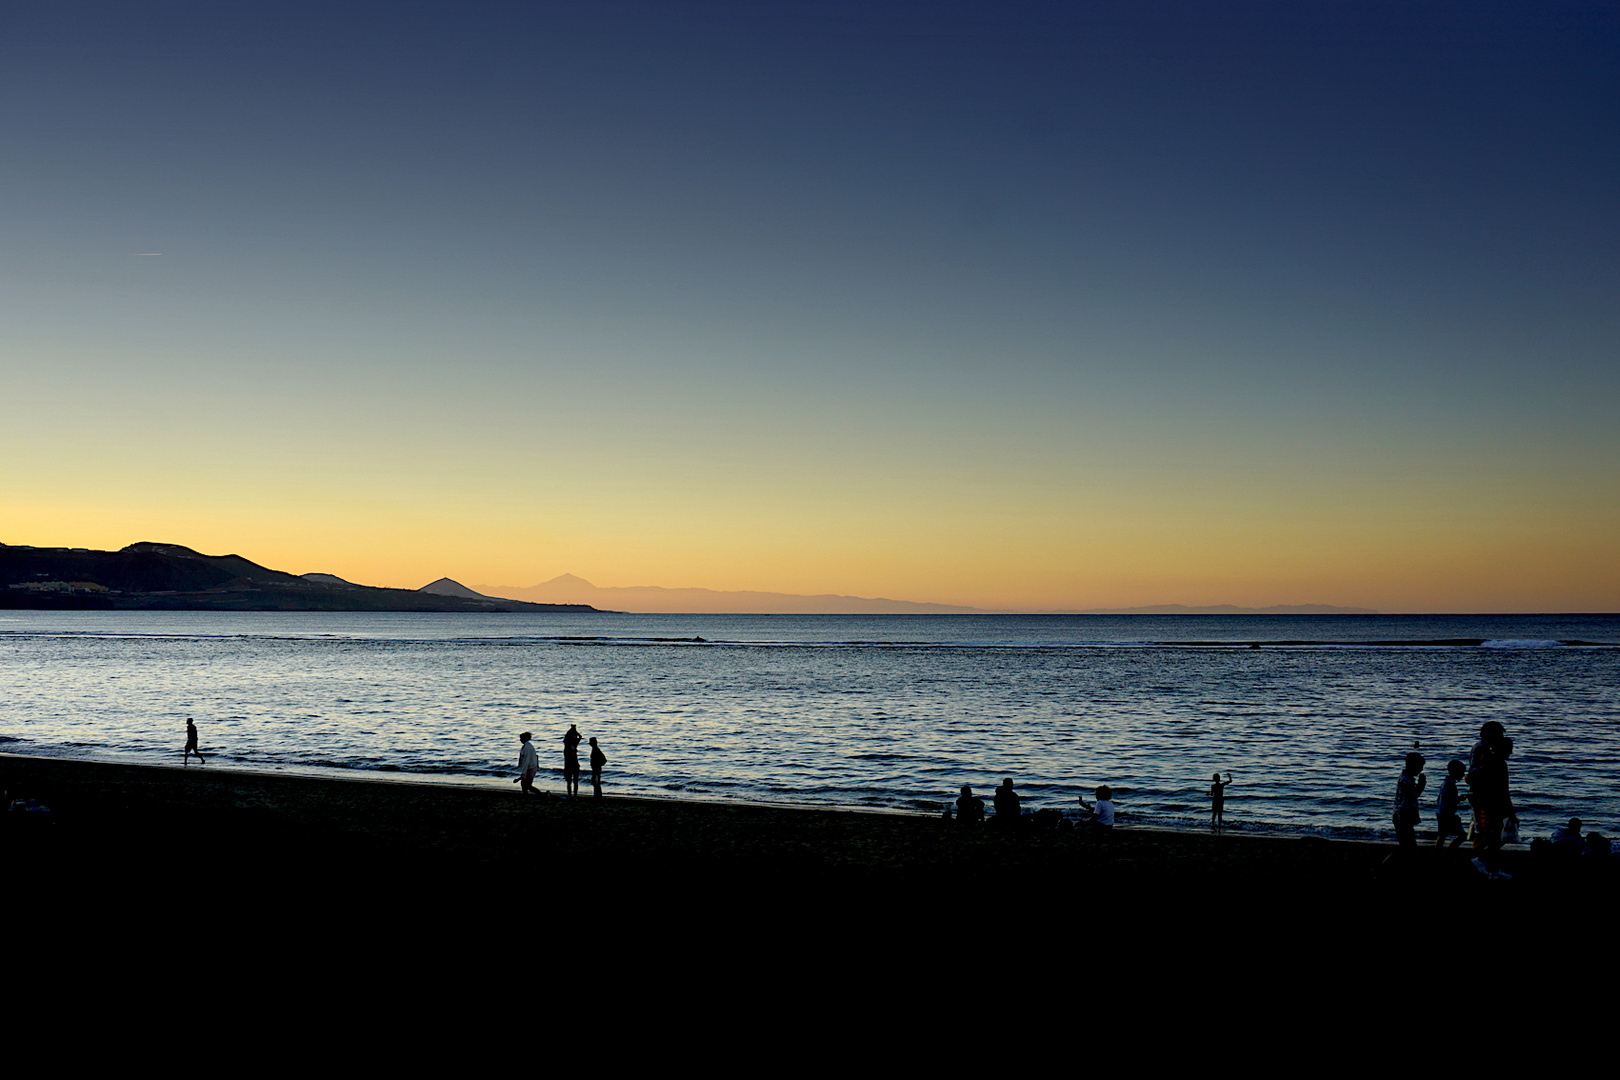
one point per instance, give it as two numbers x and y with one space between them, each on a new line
1040 545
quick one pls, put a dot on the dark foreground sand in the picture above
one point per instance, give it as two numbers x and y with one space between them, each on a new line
151 821
204 879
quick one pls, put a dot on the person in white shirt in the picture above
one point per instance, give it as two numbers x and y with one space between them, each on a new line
528 764
1100 814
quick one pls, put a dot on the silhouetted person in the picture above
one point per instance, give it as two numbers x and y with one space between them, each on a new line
598 759
1488 791
969 807
571 760
1448 823
1598 846
1100 814
528 764
191 744
1217 799
1408 792
1568 840
1008 805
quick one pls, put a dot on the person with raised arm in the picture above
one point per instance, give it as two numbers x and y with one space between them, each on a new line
1217 799
571 742
1100 814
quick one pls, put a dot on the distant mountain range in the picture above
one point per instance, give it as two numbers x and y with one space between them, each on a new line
569 589
150 577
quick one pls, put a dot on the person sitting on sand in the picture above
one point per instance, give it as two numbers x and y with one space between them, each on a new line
528 764
191 744
598 759
1217 799
1008 808
1569 840
571 760
1408 790
969 807
1598 845
1100 814
1448 821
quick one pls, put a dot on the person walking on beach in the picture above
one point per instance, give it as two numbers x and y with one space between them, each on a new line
1445 807
598 759
1488 791
1217 799
571 760
1408 791
528 764
191 744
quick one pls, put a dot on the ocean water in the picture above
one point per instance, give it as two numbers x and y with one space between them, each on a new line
1311 714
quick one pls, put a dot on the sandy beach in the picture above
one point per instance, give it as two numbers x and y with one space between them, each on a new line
152 822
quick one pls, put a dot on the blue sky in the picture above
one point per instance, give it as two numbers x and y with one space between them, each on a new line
1012 304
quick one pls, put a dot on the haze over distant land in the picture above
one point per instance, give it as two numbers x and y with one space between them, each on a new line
568 589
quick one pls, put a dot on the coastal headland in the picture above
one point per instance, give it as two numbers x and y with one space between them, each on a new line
169 577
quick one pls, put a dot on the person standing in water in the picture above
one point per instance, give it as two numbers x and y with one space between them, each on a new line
528 764
1217 799
598 759
191 744
571 760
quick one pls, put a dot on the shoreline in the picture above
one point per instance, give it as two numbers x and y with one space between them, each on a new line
309 828
449 781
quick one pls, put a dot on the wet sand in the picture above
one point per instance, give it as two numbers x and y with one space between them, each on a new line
147 818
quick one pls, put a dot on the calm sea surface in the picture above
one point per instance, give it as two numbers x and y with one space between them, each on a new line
876 711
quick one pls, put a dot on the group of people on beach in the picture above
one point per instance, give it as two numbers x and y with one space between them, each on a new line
1093 815
529 763
1495 821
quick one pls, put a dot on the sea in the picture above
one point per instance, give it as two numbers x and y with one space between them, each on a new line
1312 715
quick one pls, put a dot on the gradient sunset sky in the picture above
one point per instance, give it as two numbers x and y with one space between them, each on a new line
1013 305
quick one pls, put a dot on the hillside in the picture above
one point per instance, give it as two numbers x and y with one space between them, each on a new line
148 577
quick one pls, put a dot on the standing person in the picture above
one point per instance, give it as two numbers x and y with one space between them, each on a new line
1408 790
598 759
1445 807
571 760
528 764
1217 799
191 744
1488 791
1008 806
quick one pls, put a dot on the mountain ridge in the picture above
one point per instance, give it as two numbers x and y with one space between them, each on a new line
147 576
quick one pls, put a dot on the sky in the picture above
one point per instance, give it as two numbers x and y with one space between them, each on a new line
1032 306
